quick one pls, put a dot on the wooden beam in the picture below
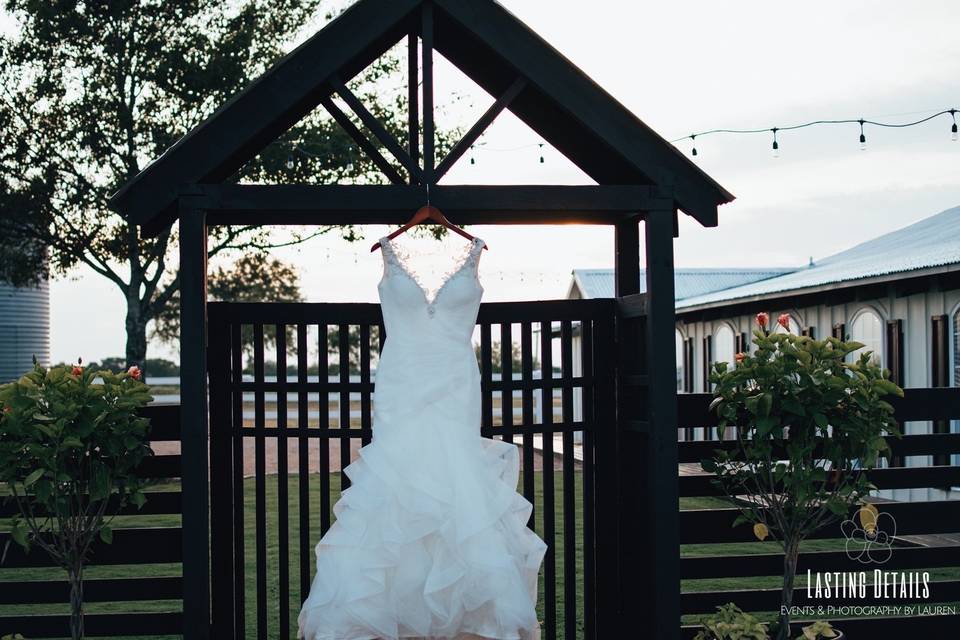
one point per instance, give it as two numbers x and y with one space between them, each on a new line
270 105
362 141
487 42
375 126
413 101
193 418
390 204
480 126
428 129
662 562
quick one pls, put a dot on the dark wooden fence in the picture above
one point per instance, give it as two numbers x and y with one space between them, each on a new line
265 526
920 524
143 563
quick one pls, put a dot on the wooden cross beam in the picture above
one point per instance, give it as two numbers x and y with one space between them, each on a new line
365 145
376 127
240 204
480 126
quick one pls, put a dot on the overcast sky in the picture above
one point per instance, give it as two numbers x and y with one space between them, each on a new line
685 66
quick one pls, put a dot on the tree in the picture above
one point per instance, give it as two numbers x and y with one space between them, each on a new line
253 278
92 91
71 440
808 424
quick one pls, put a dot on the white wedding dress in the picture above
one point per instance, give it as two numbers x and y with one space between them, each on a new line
430 539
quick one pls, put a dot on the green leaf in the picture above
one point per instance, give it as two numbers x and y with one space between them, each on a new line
33 477
106 534
19 535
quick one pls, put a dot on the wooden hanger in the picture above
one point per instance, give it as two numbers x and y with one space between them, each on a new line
423 214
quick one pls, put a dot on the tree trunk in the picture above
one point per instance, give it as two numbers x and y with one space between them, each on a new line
136 326
791 551
75 577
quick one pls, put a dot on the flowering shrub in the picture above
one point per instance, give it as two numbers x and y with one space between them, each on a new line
70 440
808 424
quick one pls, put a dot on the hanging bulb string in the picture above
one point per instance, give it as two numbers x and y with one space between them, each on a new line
892 125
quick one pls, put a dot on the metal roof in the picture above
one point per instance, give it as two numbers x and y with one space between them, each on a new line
932 242
598 283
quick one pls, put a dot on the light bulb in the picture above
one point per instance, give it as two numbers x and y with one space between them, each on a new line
863 142
693 141
290 162
953 132
776 149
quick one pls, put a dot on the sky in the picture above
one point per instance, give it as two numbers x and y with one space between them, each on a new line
681 66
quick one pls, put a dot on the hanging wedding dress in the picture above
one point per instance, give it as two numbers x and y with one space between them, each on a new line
430 539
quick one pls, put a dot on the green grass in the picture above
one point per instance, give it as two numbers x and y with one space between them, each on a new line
273 557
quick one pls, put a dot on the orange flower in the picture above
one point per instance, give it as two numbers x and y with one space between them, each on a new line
763 319
77 370
740 357
134 372
784 320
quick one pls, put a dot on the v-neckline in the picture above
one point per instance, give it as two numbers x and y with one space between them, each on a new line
451 275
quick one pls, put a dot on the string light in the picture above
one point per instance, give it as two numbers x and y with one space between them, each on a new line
472 159
541 153
858 121
290 161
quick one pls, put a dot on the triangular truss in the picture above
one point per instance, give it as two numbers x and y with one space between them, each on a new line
491 46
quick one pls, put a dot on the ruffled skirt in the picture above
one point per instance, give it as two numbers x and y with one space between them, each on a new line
430 541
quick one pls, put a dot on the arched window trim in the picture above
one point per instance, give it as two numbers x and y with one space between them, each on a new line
718 327
870 308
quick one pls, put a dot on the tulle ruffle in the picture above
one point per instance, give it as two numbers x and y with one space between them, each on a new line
433 545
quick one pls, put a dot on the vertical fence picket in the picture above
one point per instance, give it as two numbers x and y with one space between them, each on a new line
283 526
549 512
239 510
506 380
303 461
365 417
569 488
526 366
344 401
323 370
486 376
589 571
260 458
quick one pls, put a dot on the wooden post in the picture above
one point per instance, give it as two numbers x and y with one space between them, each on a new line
193 418
661 563
413 102
631 492
427 55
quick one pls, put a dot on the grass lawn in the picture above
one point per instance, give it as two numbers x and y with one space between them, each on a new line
293 561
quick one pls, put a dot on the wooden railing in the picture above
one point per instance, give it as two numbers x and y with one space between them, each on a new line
133 585
927 528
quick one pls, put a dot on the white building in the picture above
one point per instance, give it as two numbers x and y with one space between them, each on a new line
899 294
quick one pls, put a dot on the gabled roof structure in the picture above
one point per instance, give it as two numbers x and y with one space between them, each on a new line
490 45
930 246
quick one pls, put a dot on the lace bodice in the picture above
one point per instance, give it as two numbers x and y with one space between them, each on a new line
461 277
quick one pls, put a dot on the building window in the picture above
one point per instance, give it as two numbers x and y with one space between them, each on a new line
868 329
723 345
955 424
681 360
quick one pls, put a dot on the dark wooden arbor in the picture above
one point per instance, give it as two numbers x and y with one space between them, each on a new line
630 505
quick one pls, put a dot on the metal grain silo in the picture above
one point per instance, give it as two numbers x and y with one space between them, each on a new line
24 329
